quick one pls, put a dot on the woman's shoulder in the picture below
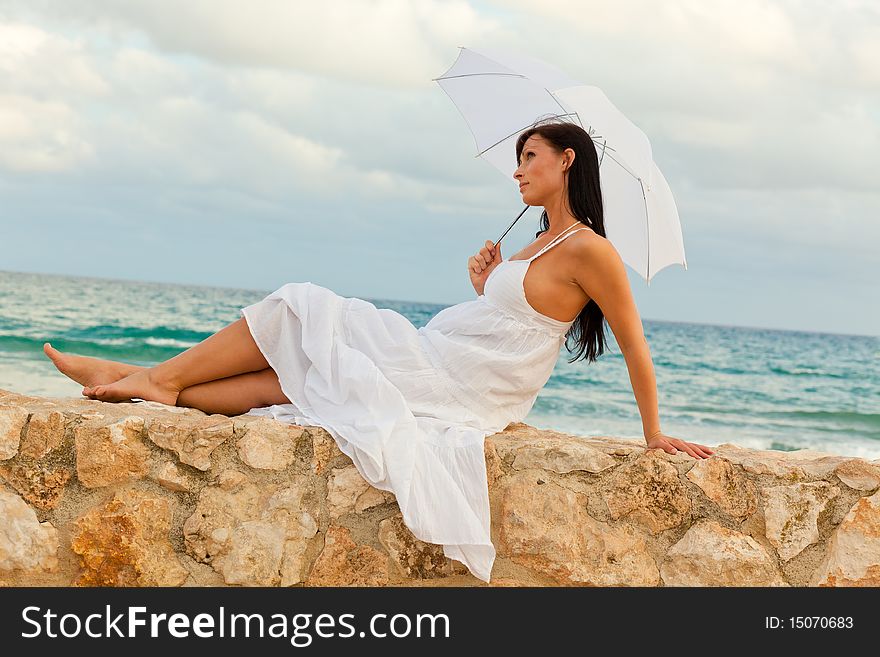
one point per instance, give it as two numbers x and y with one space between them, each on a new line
588 245
586 239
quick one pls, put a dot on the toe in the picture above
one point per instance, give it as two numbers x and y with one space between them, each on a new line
54 355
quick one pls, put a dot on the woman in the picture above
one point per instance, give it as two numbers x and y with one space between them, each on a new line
411 407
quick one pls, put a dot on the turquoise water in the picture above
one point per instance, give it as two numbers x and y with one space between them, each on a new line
757 388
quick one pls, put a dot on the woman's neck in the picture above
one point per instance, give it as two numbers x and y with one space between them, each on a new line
561 225
559 219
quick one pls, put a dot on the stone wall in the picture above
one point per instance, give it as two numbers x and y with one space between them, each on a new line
144 494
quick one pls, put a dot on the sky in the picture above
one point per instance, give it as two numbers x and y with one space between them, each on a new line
250 144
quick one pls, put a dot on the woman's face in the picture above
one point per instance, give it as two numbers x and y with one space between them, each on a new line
541 170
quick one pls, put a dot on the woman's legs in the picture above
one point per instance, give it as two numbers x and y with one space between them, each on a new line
235 395
86 370
228 352
232 395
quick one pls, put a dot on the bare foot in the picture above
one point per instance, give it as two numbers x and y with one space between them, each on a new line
138 385
88 371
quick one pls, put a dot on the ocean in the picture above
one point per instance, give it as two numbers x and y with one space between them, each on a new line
758 388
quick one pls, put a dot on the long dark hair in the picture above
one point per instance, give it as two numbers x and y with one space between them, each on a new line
585 203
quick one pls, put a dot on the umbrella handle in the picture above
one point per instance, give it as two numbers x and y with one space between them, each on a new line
511 226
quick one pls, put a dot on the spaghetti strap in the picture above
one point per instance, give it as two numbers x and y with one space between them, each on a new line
559 238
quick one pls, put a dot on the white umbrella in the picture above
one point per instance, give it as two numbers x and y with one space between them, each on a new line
501 94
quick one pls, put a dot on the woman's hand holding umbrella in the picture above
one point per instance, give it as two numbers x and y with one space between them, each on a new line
481 265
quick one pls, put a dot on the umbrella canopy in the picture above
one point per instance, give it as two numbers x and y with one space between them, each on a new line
501 94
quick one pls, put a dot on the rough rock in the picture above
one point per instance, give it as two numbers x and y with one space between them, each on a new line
412 557
169 475
791 514
193 439
12 423
142 494
325 450
25 543
40 485
859 474
253 535
347 491
45 432
853 557
648 491
267 446
792 465
726 486
710 554
546 527
343 562
125 542
111 453
562 456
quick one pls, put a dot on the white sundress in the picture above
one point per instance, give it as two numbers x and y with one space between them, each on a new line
412 407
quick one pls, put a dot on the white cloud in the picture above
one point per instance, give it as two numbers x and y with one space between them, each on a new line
42 77
256 97
763 116
865 51
34 61
40 136
143 74
744 93
384 42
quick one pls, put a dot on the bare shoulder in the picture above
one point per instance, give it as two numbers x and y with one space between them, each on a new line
589 245
596 263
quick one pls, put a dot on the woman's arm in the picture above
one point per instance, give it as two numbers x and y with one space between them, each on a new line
644 385
602 275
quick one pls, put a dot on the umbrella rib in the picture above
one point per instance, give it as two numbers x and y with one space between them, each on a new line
604 143
604 148
515 132
468 75
574 114
624 167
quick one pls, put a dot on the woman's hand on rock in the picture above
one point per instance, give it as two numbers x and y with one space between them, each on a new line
672 445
